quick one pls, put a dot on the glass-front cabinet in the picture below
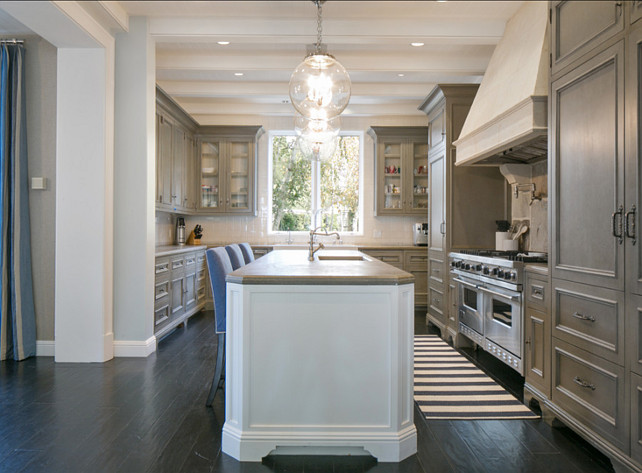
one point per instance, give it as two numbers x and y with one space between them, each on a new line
227 171
401 170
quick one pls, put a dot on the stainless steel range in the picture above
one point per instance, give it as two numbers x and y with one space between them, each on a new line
489 300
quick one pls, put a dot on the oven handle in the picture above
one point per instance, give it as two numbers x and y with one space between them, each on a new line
499 294
466 283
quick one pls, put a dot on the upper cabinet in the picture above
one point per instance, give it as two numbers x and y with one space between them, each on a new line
579 27
175 157
401 170
203 169
227 170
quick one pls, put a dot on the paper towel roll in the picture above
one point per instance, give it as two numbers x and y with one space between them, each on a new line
499 240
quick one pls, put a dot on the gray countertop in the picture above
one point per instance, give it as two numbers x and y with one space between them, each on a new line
168 250
538 268
293 267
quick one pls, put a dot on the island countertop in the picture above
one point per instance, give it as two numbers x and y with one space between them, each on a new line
293 267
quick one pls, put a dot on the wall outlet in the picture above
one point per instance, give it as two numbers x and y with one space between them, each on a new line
376 234
39 183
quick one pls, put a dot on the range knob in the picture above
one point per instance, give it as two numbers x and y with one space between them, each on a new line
452 264
486 270
513 275
494 272
478 267
457 264
467 267
507 275
500 273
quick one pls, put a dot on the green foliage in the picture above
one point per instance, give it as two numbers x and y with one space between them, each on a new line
292 187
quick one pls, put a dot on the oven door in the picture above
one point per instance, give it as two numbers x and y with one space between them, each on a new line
502 310
469 303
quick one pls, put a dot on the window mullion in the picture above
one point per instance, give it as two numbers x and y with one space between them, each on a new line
316 194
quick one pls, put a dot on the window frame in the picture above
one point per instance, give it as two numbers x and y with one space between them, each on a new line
316 185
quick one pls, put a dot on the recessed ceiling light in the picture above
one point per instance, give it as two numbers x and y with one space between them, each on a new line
223 43
416 45
238 74
401 75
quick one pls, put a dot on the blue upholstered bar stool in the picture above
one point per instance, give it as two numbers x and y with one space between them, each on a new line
236 256
248 254
218 265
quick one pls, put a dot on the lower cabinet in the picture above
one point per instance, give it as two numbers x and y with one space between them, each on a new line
537 333
414 261
636 417
181 289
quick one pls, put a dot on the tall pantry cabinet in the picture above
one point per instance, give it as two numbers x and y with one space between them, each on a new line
463 202
594 171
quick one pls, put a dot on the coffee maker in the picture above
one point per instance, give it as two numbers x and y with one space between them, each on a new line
420 234
180 231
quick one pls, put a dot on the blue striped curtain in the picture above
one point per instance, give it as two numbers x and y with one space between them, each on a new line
17 314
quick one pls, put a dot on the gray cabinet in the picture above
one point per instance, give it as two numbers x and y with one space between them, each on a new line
587 125
181 283
463 202
227 169
401 170
537 333
580 26
413 261
175 158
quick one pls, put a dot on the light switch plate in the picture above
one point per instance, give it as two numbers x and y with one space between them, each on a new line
39 183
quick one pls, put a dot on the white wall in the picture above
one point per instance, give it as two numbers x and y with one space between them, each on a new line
376 230
40 77
134 175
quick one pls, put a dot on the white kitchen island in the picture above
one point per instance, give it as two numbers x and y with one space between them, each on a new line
319 358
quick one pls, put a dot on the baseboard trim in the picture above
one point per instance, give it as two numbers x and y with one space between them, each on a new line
134 348
45 348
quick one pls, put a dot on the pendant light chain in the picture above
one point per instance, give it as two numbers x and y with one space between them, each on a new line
319 27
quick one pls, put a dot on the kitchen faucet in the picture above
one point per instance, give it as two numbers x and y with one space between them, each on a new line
315 232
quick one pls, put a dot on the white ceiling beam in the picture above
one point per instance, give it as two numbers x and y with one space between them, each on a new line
200 89
171 29
431 61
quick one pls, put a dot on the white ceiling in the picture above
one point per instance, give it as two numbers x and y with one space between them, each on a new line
269 38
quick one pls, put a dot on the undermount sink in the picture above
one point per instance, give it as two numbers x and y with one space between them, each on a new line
341 258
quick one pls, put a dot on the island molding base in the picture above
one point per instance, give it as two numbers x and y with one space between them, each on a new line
388 447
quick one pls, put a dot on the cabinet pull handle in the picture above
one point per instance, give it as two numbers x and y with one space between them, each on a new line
579 381
588 318
616 228
629 225
618 8
442 228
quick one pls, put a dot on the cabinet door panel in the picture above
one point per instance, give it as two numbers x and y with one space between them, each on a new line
436 201
190 291
580 26
210 173
418 151
636 417
177 295
537 356
178 160
165 140
633 328
239 194
588 164
633 170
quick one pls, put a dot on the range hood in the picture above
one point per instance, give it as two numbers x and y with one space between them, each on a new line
507 122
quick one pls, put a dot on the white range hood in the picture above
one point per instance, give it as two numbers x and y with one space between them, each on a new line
507 122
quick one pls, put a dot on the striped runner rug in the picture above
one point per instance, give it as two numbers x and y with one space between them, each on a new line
448 386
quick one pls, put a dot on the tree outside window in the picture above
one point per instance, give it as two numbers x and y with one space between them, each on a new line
309 194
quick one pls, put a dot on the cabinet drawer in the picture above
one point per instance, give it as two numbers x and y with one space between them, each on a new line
201 293
161 290
592 390
436 298
190 263
436 269
537 291
177 263
579 27
161 314
591 318
416 260
200 260
162 266
392 257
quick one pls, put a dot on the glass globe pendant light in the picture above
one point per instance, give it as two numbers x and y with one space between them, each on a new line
317 139
320 85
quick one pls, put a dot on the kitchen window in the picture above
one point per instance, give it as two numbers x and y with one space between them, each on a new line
306 194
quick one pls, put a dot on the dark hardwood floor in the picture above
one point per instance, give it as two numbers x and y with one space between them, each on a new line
149 415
